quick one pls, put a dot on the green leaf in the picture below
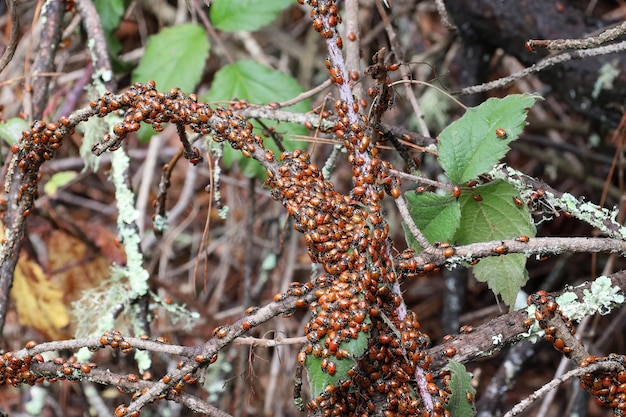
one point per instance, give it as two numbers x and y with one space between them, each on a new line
248 15
110 13
504 275
11 130
319 378
496 216
174 57
438 217
58 180
260 85
470 146
460 385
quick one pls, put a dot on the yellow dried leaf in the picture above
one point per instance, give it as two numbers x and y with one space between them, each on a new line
39 302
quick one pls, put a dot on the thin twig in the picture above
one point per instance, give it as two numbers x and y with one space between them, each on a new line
530 400
268 343
585 43
50 38
97 45
353 46
404 70
7 56
307 94
445 17
543 64
415 231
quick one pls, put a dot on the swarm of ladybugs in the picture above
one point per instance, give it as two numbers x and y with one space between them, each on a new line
141 103
547 308
348 236
359 292
16 370
608 387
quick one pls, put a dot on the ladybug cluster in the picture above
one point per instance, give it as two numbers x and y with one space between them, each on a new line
140 103
37 145
326 17
609 387
349 237
359 292
16 370
143 103
411 265
115 340
546 308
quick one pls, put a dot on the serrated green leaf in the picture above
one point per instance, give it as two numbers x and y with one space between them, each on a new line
496 216
460 385
470 146
248 15
11 130
110 13
174 57
260 85
437 217
319 378
504 275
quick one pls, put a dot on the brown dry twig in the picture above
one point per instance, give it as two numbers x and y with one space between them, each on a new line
574 373
545 63
586 43
7 56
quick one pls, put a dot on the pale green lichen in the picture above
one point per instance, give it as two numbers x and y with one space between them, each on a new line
83 355
214 380
93 130
104 74
44 13
160 223
179 313
596 216
593 214
94 311
37 400
608 73
534 332
223 212
127 215
600 298
144 362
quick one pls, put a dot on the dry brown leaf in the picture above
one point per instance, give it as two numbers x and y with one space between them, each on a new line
105 240
74 266
39 302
